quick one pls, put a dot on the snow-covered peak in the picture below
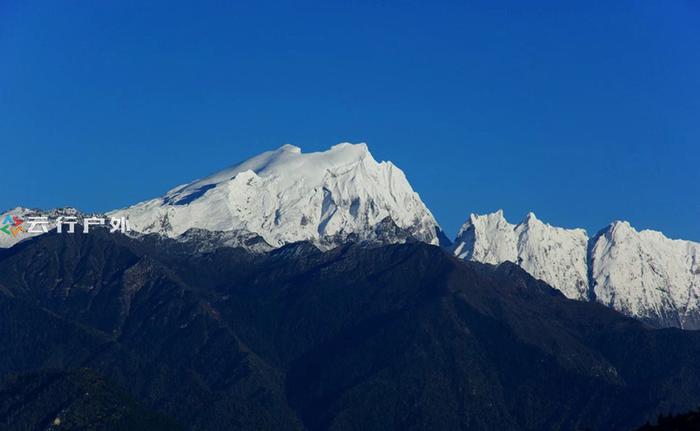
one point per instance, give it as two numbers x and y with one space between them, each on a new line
639 273
286 195
290 148
288 162
553 254
494 221
487 238
531 219
620 229
647 275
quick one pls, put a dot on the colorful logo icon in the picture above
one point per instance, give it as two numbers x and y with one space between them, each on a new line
12 225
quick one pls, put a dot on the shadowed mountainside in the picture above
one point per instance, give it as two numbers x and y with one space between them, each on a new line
392 337
73 400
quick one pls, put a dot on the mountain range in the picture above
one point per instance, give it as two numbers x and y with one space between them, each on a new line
317 291
344 195
642 274
380 337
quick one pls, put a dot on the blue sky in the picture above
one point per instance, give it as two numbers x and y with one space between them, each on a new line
583 112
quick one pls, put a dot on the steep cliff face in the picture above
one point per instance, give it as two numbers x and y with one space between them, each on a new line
646 275
639 273
552 254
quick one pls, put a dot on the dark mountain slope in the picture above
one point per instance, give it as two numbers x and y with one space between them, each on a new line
73 400
394 337
683 422
167 345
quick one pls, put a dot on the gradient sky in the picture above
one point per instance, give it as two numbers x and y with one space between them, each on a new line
583 112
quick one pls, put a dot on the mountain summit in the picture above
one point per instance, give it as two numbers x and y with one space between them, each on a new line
642 274
552 254
287 196
647 275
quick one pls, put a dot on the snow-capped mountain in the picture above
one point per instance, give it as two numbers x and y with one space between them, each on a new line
641 274
552 254
344 195
287 196
647 275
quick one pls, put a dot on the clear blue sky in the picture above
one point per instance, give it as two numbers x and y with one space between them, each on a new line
583 112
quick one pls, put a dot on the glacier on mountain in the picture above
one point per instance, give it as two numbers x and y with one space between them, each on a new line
287 196
647 275
554 255
642 274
